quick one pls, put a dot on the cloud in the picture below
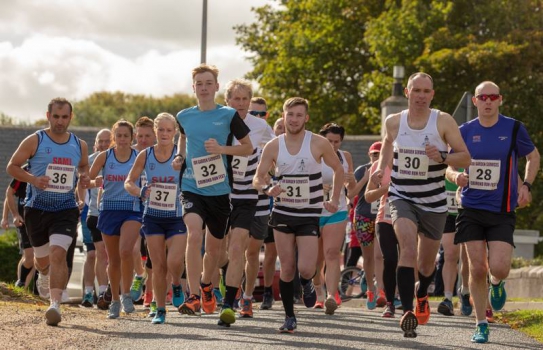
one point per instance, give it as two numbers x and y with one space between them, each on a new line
44 67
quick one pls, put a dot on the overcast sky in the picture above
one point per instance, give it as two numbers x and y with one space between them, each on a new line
72 48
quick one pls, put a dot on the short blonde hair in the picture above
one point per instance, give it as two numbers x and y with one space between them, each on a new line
238 84
166 116
296 101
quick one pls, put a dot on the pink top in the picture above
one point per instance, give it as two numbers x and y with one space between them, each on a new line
383 214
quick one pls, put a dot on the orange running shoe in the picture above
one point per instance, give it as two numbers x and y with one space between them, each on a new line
381 298
246 308
319 305
147 298
209 303
422 310
191 306
338 299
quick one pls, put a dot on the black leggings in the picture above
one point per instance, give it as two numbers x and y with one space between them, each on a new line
354 254
389 247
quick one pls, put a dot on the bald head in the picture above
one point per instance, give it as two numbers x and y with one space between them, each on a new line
103 140
487 83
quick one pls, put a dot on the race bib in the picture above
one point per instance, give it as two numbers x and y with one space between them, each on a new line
484 174
163 196
412 163
61 178
374 207
208 170
296 191
452 206
239 167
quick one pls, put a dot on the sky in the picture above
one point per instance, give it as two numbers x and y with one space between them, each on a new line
72 48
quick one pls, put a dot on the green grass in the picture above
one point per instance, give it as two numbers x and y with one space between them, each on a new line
529 322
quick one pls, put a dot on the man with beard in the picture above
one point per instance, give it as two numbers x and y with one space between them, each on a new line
298 194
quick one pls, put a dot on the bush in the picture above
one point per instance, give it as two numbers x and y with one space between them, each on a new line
9 256
517 263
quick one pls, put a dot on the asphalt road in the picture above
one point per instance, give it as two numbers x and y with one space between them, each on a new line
349 328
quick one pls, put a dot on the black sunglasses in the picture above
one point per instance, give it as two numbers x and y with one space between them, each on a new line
261 114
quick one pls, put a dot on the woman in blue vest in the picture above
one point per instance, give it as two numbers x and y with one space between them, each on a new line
120 214
163 225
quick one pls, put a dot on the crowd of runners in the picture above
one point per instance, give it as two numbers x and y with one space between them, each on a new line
183 223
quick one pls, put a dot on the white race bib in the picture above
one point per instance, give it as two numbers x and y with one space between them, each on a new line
208 170
452 206
296 191
239 167
412 163
61 178
484 174
163 196
374 207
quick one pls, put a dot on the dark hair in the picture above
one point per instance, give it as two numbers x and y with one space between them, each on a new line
259 100
59 101
332 128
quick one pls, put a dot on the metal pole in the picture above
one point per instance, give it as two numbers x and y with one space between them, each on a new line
204 33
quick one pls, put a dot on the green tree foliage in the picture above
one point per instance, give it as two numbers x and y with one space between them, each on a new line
340 54
103 109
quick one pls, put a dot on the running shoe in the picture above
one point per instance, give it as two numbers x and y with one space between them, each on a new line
43 285
209 304
20 284
338 298
191 306
363 284
489 316
390 310
147 298
267 301
152 309
309 294
218 296
481 333
371 303
422 310
397 303
160 316
330 306
128 303
52 315
408 324
114 309
136 290
237 299
289 326
88 300
101 303
222 286
497 296
169 297
227 316
381 298
65 298
446 307
319 305
107 295
246 308
178 297
465 305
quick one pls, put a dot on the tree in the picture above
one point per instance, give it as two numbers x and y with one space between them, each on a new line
339 55
103 109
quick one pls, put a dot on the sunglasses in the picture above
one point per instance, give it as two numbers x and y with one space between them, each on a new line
261 114
484 97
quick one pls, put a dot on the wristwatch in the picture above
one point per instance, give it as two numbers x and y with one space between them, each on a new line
444 155
529 185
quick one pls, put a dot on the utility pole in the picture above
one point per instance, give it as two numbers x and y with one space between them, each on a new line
204 33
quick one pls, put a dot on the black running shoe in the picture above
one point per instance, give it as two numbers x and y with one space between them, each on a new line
289 326
267 301
408 324
309 294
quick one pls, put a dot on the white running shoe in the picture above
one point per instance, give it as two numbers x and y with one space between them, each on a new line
52 315
43 285
65 297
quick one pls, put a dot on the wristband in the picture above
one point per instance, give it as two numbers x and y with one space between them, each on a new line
266 188
142 192
529 185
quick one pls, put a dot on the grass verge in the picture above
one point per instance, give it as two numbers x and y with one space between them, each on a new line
529 322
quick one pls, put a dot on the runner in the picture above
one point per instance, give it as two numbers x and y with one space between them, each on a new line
164 229
120 215
491 191
205 140
56 159
298 195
